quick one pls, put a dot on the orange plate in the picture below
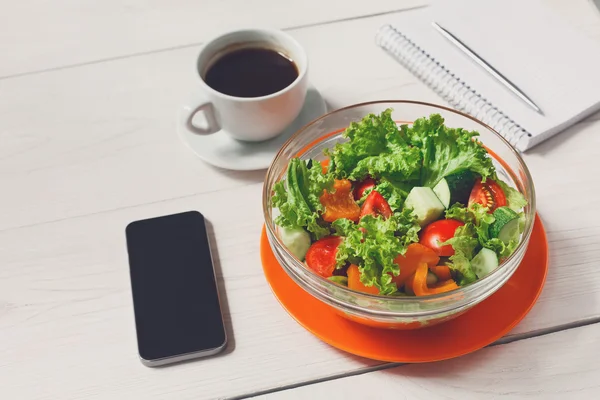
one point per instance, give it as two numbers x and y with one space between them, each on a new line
483 324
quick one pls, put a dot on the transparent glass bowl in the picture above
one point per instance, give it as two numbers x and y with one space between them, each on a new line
388 311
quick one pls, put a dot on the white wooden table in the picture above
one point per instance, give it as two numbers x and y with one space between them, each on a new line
88 96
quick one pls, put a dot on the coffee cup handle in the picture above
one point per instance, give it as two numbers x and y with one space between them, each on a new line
208 110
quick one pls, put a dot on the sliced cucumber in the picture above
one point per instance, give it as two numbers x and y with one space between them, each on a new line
340 280
297 240
442 191
506 225
455 188
484 262
425 204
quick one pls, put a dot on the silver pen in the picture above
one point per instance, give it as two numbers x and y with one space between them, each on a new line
495 73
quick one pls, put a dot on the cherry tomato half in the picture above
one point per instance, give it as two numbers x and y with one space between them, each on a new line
375 204
360 188
438 232
488 194
320 256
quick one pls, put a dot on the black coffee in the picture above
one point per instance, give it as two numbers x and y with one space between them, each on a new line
251 72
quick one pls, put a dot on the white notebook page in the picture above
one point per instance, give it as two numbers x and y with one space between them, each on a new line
551 62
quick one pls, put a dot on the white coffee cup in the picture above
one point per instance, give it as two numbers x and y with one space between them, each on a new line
249 118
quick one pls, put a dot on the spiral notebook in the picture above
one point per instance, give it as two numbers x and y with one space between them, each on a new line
557 66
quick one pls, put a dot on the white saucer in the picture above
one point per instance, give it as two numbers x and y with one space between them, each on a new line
221 150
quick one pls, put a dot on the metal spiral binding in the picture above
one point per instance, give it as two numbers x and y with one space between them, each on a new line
450 87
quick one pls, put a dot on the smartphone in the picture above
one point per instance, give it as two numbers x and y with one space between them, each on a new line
175 298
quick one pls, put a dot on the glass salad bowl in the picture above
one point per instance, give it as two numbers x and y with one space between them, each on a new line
395 312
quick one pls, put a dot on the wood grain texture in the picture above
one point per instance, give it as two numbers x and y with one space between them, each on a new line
85 150
551 367
82 137
66 317
39 35
100 137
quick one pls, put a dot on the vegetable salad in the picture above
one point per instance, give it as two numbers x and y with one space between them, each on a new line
409 210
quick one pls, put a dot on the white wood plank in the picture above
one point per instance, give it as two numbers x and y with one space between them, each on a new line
38 34
88 147
572 232
100 137
66 316
556 366
81 140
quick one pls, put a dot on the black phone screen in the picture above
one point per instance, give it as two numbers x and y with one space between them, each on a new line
175 296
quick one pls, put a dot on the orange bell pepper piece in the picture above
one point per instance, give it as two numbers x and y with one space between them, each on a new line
325 165
418 283
340 203
441 271
354 282
415 254
443 287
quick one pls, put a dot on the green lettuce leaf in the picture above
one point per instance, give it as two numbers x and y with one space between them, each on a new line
317 182
394 193
460 263
515 199
403 165
297 197
483 220
465 243
459 212
478 222
465 240
502 250
408 231
375 148
446 150
373 244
